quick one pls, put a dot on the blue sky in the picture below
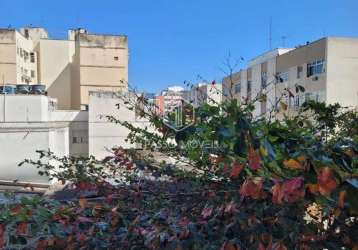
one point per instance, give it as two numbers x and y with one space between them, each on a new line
175 40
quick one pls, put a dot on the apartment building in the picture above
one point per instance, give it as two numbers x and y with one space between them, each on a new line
170 98
326 68
205 93
70 68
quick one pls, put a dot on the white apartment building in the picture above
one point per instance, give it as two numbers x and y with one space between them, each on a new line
326 68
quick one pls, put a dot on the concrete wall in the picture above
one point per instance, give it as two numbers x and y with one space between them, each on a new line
55 58
21 143
104 135
342 71
30 123
78 129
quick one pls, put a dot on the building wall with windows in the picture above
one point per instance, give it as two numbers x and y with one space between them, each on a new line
326 68
304 66
69 68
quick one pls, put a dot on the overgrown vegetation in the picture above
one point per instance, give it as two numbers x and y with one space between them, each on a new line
252 184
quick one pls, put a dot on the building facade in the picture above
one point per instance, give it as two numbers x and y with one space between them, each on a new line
69 68
327 69
205 93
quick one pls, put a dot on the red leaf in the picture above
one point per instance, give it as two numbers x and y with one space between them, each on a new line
16 210
252 188
41 245
21 228
289 191
326 181
236 170
254 159
293 189
184 221
206 212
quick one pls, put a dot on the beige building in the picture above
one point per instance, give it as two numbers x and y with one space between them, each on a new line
327 69
69 68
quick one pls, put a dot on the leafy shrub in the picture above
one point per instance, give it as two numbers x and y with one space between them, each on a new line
262 184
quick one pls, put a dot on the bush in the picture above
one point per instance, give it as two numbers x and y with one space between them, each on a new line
261 184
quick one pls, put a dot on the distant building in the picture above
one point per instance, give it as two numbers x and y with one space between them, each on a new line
205 93
69 68
171 98
326 68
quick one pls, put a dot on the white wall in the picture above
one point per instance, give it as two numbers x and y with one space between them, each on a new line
342 71
29 123
104 135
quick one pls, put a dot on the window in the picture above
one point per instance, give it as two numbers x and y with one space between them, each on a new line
315 68
248 86
283 77
237 88
299 72
263 79
84 140
33 73
21 54
79 140
32 57
115 58
297 101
